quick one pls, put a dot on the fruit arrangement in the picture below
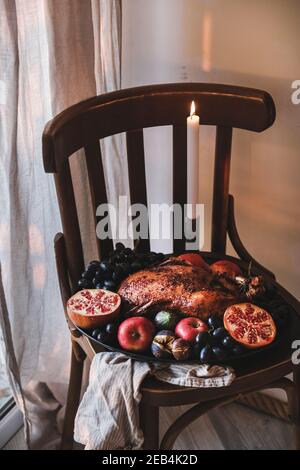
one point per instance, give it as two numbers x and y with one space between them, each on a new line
192 339
108 273
170 334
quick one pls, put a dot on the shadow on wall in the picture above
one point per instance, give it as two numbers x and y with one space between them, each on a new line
248 44
264 180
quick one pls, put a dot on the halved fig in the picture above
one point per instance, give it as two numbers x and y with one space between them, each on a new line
249 325
93 308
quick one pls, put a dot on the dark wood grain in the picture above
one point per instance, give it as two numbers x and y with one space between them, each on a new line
73 399
153 105
180 177
237 242
221 189
137 175
149 422
62 267
97 188
69 219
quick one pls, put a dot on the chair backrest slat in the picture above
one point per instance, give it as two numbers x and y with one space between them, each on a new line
221 189
70 223
97 188
180 176
137 174
151 106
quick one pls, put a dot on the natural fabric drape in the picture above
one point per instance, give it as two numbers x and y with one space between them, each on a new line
53 53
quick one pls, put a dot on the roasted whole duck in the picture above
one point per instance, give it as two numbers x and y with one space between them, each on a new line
179 286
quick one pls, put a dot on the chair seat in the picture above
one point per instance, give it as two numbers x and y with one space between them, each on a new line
157 393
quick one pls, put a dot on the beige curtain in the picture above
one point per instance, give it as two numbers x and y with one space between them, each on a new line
53 53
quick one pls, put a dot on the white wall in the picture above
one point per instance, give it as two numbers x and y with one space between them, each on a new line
254 44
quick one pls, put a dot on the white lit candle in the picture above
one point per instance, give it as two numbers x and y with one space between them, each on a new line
193 128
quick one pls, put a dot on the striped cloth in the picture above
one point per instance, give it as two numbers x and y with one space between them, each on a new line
196 375
108 415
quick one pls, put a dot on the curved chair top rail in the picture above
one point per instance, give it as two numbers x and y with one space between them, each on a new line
150 106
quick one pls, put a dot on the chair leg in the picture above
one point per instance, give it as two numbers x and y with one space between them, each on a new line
296 406
149 421
73 399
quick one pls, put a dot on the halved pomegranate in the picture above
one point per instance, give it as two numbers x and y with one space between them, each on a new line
249 325
93 308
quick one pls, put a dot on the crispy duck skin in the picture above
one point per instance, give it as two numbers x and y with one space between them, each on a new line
179 286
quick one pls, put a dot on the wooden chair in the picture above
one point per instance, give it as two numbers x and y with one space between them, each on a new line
129 111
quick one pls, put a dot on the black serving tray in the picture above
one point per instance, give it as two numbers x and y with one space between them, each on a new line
234 360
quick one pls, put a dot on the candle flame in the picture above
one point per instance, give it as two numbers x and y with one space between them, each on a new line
193 109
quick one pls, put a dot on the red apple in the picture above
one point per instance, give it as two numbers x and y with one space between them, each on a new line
226 267
136 334
195 259
188 328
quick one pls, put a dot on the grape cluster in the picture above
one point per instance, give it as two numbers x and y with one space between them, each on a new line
107 334
216 344
108 273
275 305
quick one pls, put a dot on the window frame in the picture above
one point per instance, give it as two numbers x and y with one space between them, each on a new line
11 421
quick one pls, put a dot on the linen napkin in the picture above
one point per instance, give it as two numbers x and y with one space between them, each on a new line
108 415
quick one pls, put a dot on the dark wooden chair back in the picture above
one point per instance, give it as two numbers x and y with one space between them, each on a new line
129 111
